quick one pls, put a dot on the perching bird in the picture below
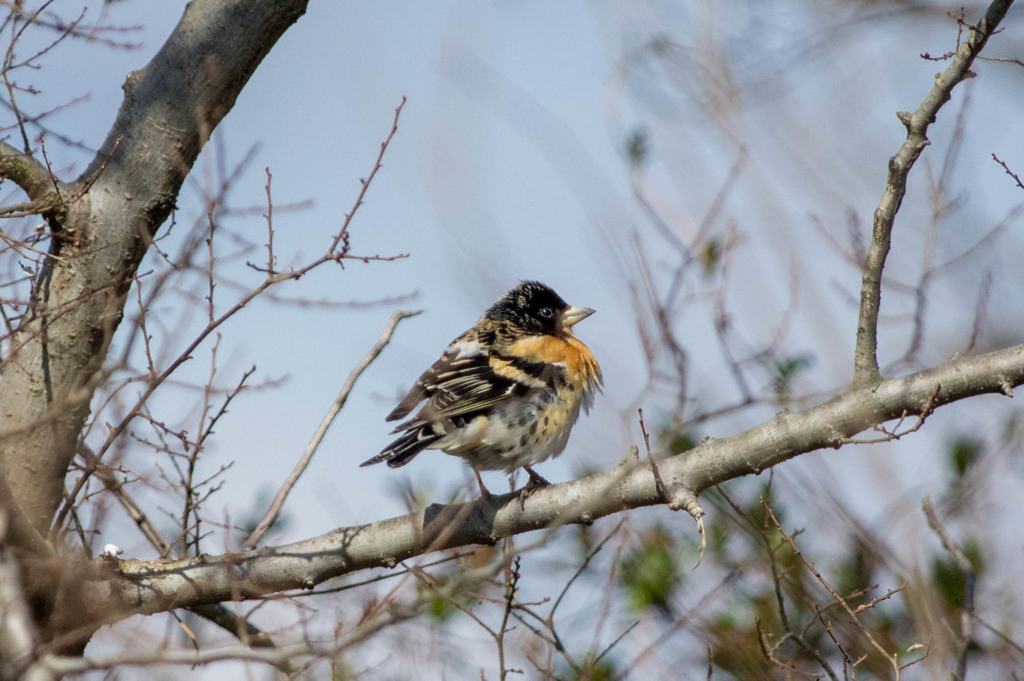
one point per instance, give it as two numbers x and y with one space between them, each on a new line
507 392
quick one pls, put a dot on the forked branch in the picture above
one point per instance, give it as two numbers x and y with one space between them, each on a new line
865 365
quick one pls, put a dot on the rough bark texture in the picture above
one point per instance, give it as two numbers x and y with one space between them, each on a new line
104 227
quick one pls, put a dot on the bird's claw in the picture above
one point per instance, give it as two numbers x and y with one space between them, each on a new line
536 482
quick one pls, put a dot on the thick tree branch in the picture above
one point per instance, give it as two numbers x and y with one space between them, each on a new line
865 365
171 107
17 630
26 171
143 587
173 104
277 657
18 530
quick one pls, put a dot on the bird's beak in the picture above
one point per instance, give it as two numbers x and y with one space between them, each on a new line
575 315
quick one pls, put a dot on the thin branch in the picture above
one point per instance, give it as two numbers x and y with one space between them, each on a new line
967 616
237 625
342 236
270 517
512 575
106 475
1009 172
781 604
271 260
583 566
554 640
866 352
1016 647
28 173
615 642
894 433
892 658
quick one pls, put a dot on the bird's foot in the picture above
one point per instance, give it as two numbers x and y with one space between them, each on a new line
536 482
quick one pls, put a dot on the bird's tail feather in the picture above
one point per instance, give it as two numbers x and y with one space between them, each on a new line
402 450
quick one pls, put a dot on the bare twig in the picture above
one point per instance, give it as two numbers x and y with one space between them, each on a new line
552 637
342 236
783 617
760 534
768 651
678 498
106 475
583 566
1009 172
271 260
682 620
512 575
1016 647
658 482
615 642
894 433
892 658
270 517
980 310
967 616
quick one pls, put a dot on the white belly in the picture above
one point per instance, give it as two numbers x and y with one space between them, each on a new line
504 441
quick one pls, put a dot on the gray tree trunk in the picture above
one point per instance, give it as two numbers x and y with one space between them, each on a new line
102 225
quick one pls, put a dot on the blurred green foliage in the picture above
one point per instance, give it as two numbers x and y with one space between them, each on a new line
785 369
856 572
601 670
676 441
710 256
962 452
637 148
650 573
949 580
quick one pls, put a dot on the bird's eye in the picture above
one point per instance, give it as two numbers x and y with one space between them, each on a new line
546 312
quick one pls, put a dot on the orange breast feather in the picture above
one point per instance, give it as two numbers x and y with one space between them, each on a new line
572 353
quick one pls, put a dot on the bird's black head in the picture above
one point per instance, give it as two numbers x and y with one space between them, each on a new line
532 306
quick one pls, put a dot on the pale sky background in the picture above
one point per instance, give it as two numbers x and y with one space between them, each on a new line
509 164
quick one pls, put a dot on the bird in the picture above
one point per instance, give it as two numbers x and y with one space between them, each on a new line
506 393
